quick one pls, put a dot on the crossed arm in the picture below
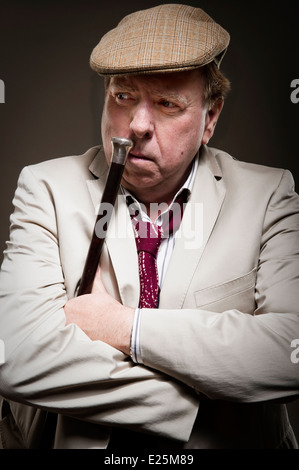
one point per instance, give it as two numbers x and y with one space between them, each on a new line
102 317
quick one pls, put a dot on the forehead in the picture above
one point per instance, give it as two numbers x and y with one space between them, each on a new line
179 82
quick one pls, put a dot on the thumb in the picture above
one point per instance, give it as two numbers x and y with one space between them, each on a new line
98 286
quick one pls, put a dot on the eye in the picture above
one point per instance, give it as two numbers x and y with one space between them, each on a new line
167 104
122 96
170 106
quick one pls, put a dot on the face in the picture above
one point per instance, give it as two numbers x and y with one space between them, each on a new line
164 116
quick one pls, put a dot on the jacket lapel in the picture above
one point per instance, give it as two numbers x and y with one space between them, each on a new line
120 240
200 216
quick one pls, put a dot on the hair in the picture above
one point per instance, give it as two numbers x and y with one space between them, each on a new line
217 86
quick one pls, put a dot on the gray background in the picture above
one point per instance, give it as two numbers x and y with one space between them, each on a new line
53 100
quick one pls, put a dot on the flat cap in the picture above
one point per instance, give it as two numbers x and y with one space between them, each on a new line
166 38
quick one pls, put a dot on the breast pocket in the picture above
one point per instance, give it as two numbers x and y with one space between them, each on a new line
238 293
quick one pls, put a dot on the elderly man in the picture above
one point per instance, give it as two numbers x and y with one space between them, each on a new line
189 348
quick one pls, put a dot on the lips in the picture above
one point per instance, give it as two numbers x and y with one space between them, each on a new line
139 156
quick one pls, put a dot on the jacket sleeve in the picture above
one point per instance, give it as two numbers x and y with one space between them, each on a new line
232 355
56 367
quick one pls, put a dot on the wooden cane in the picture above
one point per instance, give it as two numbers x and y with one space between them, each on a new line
120 150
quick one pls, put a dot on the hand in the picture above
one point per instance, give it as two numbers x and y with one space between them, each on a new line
101 317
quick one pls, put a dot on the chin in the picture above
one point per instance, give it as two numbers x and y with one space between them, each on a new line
137 185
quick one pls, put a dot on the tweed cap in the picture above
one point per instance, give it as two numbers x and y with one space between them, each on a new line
165 38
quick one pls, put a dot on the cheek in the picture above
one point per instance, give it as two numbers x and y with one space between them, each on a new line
106 139
109 120
112 125
115 116
186 140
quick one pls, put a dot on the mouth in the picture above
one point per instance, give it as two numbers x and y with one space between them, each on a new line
137 156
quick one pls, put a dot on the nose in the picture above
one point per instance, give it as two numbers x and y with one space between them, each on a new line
142 121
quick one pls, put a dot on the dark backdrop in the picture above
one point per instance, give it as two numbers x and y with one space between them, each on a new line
53 100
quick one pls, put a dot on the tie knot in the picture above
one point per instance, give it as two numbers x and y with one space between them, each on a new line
148 237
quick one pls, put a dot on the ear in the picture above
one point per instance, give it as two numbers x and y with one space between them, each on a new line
212 116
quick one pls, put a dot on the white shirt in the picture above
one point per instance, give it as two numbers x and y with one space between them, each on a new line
163 257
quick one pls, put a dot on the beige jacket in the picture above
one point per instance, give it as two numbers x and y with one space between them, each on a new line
217 353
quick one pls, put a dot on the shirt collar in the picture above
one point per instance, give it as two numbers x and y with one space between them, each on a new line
188 185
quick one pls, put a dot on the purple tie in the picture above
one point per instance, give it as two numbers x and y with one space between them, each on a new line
148 237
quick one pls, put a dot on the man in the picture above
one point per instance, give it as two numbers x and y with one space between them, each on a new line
203 359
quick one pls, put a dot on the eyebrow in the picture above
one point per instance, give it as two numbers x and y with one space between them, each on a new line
122 85
161 94
170 96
